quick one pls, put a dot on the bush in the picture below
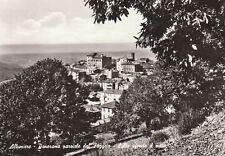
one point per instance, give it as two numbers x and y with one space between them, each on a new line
94 88
142 128
159 137
189 120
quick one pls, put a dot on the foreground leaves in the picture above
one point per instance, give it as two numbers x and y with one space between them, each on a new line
42 100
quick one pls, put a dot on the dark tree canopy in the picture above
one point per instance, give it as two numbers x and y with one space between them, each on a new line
192 98
42 100
178 31
145 101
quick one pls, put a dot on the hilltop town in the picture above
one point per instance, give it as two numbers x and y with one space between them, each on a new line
108 77
112 78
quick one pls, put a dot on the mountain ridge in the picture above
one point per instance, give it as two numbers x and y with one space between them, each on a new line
7 70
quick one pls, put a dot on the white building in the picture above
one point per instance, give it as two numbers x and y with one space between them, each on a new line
107 110
97 61
107 85
119 63
109 95
123 85
124 60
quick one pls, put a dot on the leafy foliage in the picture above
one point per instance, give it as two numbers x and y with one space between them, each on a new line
178 31
102 78
193 96
145 101
159 137
41 100
188 120
188 38
198 93
186 35
94 88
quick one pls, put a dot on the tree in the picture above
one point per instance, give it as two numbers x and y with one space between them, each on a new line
102 78
193 97
41 101
145 101
186 35
178 31
197 93
94 88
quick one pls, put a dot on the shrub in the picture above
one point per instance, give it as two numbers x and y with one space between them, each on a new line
189 120
159 137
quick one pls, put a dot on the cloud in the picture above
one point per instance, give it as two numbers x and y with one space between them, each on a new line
3 29
44 30
4 33
122 31
56 27
54 19
28 27
31 24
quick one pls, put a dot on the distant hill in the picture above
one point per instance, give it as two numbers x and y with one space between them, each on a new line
7 71
26 55
70 48
15 57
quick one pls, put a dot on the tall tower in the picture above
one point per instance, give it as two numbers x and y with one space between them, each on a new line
132 56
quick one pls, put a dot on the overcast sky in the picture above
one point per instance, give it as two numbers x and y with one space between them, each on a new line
59 21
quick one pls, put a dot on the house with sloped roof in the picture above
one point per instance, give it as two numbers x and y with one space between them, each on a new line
107 110
109 95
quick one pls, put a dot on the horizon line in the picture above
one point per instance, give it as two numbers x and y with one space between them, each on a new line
67 43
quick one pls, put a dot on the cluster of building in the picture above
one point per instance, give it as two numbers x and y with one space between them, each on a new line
112 75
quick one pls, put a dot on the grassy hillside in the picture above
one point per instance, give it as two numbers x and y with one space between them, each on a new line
7 71
208 139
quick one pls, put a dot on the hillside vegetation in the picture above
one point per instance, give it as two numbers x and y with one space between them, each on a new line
208 139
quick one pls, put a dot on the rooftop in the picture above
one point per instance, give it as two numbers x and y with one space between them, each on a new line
131 63
91 108
127 63
119 92
109 105
96 55
147 65
107 81
80 66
